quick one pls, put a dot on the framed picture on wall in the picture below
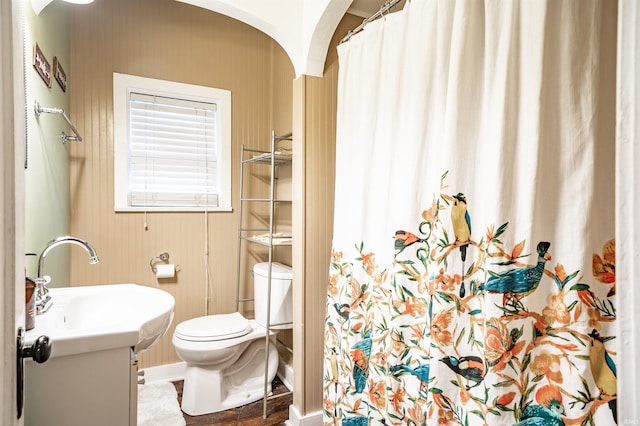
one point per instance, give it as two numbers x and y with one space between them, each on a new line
59 74
41 65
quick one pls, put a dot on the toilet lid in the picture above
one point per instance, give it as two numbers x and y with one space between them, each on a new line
213 327
278 270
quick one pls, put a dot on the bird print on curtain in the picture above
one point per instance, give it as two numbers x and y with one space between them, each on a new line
525 344
461 222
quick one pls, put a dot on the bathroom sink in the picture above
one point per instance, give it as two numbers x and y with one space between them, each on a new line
94 318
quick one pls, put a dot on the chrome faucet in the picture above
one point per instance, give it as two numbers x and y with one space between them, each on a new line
43 298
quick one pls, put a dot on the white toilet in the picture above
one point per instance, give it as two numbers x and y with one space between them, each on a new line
225 354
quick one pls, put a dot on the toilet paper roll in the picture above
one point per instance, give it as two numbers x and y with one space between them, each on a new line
166 270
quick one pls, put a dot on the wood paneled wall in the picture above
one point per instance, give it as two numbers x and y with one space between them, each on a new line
168 40
315 105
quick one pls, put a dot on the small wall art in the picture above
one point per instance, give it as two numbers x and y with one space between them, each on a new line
41 65
59 74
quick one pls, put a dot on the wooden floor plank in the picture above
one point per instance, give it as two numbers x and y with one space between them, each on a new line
246 415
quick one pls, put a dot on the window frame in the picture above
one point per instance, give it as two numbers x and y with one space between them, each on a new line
123 86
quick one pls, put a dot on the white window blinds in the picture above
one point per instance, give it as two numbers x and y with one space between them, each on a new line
173 152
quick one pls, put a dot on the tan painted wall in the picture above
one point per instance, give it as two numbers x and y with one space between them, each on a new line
168 40
314 123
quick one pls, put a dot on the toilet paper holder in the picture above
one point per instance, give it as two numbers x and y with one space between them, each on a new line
162 257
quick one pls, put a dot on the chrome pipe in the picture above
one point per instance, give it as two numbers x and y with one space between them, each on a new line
39 109
383 9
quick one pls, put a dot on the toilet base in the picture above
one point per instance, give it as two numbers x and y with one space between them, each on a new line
207 390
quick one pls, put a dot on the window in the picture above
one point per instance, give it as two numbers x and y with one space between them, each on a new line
172 147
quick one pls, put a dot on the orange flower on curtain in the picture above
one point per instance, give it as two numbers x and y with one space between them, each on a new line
521 345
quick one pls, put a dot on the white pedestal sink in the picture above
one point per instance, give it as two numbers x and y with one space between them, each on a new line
95 332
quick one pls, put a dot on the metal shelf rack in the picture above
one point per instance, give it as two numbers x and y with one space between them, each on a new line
268 238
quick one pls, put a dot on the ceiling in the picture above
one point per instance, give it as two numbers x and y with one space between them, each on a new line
303 28
365 8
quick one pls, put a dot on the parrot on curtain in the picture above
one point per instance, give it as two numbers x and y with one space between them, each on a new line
538 415
603 369
360 353
461 230
344 309
461 223
519 282
355 421
404 239
421 372
469 367
548 411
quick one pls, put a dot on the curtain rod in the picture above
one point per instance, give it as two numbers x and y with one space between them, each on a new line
384 9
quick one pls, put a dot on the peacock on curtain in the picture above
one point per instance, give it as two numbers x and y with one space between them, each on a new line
472 278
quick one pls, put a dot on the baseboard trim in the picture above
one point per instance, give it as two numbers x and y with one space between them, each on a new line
285 373
174 372
164 373
295 419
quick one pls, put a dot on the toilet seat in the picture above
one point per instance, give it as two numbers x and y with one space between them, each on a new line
213 328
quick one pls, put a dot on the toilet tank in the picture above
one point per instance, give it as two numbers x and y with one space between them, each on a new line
281 298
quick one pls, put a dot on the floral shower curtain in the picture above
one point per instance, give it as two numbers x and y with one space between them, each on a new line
472 277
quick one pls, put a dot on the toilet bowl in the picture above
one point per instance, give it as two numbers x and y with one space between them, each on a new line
223 371
225 354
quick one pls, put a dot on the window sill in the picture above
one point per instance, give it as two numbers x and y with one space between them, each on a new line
173 209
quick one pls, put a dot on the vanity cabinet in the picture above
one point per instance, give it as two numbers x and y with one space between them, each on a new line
93 388
91 376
